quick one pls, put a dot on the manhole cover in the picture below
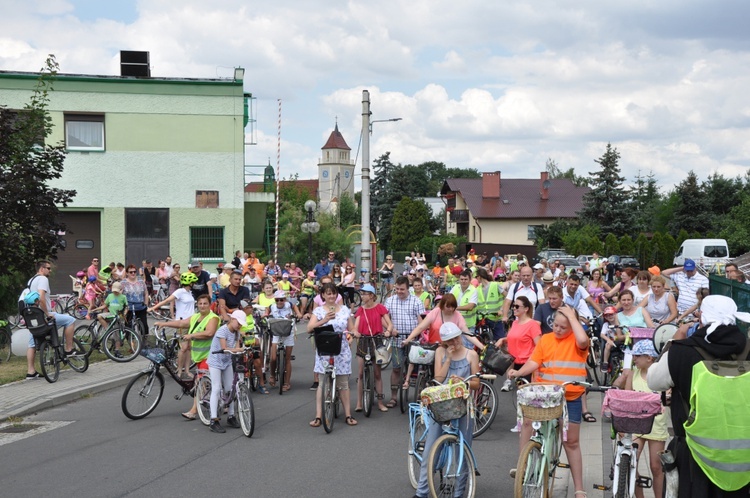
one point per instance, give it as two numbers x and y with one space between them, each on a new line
16 429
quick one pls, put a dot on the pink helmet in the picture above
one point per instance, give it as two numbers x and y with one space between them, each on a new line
80 274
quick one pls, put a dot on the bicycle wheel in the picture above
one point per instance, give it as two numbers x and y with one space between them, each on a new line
593 361
531 478
554 458
142 394
368 393
280 368
124 341
328 400
403 394
49 363
449 465
78 311
420 385
86 335
485 407
245 410
80 361
623 477
203 397
416 451
5 342
356 300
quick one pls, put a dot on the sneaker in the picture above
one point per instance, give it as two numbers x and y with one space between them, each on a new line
233 422
35 375
604 367
118 354
506 386
216 427
72 353
263 390
314 386
515 429
513 473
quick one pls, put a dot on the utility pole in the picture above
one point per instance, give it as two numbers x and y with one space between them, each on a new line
365 249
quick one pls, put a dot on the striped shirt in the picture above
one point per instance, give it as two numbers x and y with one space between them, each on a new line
688 286
405 315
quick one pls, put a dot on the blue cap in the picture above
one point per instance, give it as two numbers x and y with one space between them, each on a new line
363 270
368 288
689 265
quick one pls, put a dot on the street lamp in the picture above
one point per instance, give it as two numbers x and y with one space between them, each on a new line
367 125
310 226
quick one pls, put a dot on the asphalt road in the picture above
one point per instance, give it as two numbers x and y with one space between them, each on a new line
101 453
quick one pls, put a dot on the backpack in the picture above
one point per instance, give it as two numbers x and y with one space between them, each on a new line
716 430
515 289
22 297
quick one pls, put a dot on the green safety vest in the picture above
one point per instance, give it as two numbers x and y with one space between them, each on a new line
493 303
469 316
199 350
719 439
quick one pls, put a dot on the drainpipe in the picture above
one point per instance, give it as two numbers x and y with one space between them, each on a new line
476 222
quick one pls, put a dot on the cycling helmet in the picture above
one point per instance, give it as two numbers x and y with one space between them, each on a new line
363 270
31 298
92 278
188 278
80 274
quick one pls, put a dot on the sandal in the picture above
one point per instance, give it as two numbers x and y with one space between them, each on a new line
358 409
588 417
350 421
383 408
580 493
286 387
188 415
272 381
316 422
391 404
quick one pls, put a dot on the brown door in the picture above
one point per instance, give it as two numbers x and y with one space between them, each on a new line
82 244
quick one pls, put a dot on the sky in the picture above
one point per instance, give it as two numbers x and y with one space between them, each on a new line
492 85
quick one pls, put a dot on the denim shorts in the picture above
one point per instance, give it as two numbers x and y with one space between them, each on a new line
575 410
398 354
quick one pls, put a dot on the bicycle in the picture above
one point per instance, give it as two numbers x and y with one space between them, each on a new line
117 342
51 351
329 346
281 328
371 358
594 359
632 412
485 403
5 341
351 297
540 457
259 315
59 302
424 373
384 292
159 295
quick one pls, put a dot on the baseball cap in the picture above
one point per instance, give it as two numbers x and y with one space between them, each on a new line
539 266
213 275
368 288
195 263
279 294
448 331
689 265
117 287
240 316
230 266
645 348
654 270
610 310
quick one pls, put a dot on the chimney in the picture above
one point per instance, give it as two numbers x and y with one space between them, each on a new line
544 182
491 185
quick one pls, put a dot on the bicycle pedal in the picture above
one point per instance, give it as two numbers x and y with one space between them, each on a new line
602 487
562 465
643 482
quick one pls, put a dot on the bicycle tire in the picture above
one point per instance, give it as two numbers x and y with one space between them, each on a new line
593 362
623 477
130 344
368 393
327 400
531 478
443 476
245 410
280 369
86 335
420 384
416 447
485 407
203 399
147 389
403 394
78 362
355 299
78 311
5 344
554 459
49 363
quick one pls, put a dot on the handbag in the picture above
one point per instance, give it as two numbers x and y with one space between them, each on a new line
498 360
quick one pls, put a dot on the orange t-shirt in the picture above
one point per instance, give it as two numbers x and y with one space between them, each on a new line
551 352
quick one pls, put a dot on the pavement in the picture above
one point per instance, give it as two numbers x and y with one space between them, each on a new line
26 397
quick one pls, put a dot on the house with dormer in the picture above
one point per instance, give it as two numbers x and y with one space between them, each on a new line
494 210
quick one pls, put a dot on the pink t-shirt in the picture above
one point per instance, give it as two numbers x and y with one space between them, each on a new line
435 319
521 339
373 316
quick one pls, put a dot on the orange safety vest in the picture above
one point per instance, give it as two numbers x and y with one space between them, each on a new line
560 361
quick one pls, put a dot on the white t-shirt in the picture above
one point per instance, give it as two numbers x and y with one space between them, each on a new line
184 304
40 282
637 295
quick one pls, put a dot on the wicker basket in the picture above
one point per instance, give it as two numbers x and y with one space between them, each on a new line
633 425
446 402
540 401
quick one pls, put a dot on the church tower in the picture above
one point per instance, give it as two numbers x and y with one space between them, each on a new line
335 172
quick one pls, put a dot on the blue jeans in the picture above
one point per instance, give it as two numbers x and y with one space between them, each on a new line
498 329
465 425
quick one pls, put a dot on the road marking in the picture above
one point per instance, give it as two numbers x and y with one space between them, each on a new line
39 428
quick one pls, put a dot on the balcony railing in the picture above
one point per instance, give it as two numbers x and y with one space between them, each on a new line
460 216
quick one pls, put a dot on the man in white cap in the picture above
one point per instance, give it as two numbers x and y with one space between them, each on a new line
539 273
220 367
226 272
720 338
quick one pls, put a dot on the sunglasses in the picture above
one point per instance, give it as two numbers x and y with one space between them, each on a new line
47 267
517 306
131 272
280 300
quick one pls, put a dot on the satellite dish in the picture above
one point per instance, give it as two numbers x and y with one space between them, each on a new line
547 184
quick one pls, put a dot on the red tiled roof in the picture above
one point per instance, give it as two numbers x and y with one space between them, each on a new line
310 185
336 140
522 196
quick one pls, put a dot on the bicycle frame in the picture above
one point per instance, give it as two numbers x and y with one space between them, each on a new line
546 434
625 446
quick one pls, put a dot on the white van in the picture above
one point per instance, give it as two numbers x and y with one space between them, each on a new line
705 252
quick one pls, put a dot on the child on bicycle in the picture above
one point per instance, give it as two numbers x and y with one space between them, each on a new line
453 361
220 367
610 333
560 357
282 309
90 293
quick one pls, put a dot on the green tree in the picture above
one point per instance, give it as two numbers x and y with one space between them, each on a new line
411 222
348 212
722 194
293 243
553 235
736 227
383 200
431 244
670 247
438 172
657 250
645 201
611 244
437 222
642 250
555 172
606 204
626 245
29 211
692 211
682 236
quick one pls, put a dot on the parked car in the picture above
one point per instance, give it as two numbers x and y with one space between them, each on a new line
550 254
571 264
622 262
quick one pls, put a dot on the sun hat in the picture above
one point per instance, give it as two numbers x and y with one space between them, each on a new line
448 331
368 288
240 316
279 294
548 276
230 266
645 347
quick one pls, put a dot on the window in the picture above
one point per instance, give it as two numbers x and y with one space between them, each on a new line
715 252
531 231
84 244
207 198
207 242
84 132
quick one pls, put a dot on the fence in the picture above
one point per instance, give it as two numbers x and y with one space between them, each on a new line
739 292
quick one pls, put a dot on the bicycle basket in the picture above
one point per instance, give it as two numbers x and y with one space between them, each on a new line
540 402
422 354
498 360
632 411
280 327
383 353
327 341
157 355
639 334
446 402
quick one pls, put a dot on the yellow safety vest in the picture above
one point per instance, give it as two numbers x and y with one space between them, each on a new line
492 304
469 316
199 350
719 439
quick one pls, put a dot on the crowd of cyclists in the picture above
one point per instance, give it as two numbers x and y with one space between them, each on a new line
543 315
